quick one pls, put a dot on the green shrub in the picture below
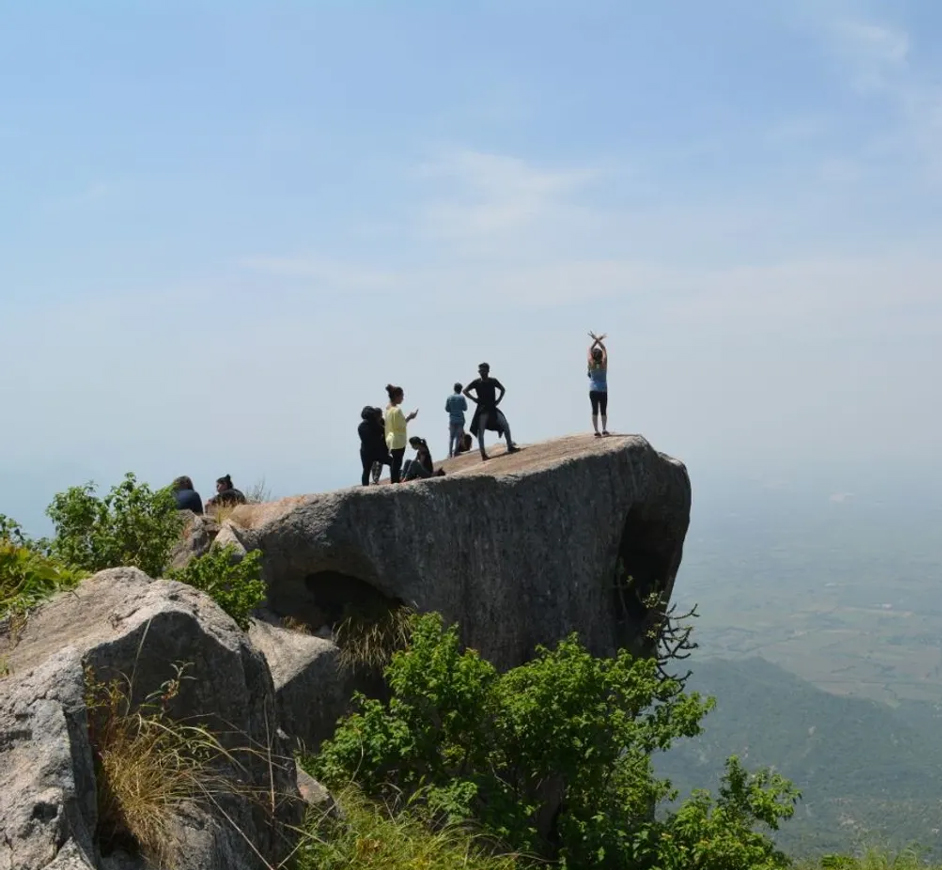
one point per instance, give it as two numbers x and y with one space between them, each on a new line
711 835
471 745
26 575
133 525
236 587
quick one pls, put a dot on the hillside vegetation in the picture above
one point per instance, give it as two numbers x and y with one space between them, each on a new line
867 773
548 764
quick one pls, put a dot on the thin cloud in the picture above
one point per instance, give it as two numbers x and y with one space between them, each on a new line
548 247
876 53
482 195
879 62
330 273
90 195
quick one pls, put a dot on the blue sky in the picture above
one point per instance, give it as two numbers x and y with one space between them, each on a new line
225 227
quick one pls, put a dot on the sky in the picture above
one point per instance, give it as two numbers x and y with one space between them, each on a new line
225 227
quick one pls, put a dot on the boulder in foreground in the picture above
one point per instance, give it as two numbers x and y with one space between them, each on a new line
122 624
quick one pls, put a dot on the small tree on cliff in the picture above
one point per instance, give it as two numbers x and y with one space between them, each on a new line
552 757
132 525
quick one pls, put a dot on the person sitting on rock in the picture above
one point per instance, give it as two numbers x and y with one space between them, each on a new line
464 444
422 466
487 415
187 498
226 494
373 448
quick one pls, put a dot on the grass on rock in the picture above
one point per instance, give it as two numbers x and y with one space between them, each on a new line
148 768
368 640
369 837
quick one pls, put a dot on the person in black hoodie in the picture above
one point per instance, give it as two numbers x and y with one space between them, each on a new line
372 441
226 494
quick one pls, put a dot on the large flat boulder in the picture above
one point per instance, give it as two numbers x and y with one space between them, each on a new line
122 624
520 550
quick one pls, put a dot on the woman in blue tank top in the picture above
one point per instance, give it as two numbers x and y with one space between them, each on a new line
598 383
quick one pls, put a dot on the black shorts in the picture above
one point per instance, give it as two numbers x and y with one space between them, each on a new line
599 401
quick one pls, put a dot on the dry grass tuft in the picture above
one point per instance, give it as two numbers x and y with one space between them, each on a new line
258 493
221 513
297 625
371 838
148 768
368 640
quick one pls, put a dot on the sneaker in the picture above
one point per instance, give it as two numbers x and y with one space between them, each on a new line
605 432
598 434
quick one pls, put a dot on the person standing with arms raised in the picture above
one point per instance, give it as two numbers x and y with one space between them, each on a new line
598 383
487 415
396 430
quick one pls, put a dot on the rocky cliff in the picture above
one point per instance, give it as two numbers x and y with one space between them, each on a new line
571 535
520 550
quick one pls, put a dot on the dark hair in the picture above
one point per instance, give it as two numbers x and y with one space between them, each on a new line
457 387
596 353
484 366
182 482
392 390
226 481
367 412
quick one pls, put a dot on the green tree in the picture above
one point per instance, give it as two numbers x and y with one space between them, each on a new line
236 586
552 757
708 834
132 525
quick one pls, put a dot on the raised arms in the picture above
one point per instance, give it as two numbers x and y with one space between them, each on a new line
598 341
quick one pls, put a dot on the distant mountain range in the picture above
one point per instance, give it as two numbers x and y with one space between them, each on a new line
869 773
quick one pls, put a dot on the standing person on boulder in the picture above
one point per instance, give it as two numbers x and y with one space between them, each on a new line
378 466
487 415
373 448
455 405
396 430
598 383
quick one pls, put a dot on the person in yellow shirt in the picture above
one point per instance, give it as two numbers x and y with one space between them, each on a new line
397 437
